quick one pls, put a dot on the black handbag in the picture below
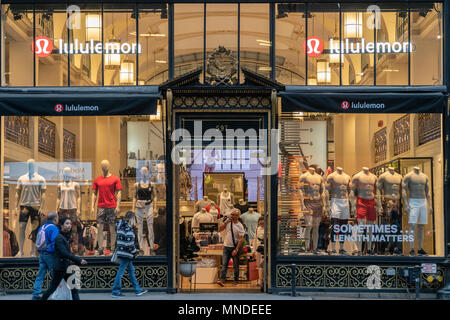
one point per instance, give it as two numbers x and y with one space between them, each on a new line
241 249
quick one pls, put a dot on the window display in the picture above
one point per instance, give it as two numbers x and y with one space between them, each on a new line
394 208
89 189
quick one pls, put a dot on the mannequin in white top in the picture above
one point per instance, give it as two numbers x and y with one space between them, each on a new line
201 216
202 203
68 203
225 199
30 200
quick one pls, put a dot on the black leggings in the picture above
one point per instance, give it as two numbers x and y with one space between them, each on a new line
58 275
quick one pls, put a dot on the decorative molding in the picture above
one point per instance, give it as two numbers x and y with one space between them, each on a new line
221 102
221 66
346 277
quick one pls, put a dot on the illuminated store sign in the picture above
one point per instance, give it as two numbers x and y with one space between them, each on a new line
314 46
43 47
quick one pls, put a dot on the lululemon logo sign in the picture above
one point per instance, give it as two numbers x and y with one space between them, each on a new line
59 108
42 47
313 46
345 105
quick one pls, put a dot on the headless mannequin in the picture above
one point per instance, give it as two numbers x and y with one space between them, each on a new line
105 165
388 199
225 199
201 216
312 193
203 203
30 200
68 203
415 188
213 210
362 196
338 187
144 205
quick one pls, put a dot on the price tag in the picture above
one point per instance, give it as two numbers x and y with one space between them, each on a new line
429 268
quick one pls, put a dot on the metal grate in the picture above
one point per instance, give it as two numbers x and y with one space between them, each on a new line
17 130
380 138
69 141
402 135
46 137
429 127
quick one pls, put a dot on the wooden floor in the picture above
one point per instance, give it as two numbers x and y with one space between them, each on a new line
242 286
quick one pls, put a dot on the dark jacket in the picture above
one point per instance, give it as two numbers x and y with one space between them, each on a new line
63 256
159 227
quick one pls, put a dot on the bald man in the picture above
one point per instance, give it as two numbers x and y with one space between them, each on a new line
106 189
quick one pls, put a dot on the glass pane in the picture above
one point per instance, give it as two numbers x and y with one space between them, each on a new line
64 168
51 22
290 31
392 68
373 196
323 23
255 40
189 33
120 30
17 38
426 58
153 37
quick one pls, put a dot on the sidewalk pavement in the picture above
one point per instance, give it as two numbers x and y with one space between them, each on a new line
232 296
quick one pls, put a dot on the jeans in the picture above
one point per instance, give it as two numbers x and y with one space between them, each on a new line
58 276
148 212
125 264
45 264
226 256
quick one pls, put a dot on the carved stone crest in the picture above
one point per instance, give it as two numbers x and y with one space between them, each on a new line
221 67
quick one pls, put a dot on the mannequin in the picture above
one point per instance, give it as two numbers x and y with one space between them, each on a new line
30 200
201 216
144 205
225 199
417 199
213 210
242 205
388 202
338 186
185 183
107 189
161 176
312 192
250 219
202 203
211 157
68 203
363 187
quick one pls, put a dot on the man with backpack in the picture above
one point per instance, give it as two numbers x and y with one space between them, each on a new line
45 245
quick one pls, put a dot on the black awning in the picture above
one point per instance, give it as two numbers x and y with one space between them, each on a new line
382 100
77 101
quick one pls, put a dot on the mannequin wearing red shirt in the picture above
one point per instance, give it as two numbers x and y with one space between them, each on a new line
106 189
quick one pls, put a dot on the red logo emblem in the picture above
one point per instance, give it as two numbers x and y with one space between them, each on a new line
42 47
345 105
59 108
313 46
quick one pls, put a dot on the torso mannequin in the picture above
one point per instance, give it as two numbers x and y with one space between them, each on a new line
202 203
201 216
363 184
250 219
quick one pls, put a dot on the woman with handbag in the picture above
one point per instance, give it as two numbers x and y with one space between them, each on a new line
63 260
233 245
125 252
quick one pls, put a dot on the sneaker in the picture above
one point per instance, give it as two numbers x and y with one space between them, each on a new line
412 253
422 252
221 283
315 251
142 293
343 252
332 252
117 295
36 298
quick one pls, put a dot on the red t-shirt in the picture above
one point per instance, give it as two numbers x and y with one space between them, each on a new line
106 190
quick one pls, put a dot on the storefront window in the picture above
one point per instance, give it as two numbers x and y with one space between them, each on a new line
368 196
17 35
426 35
64 157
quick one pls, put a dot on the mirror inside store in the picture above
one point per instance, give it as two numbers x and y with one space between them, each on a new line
361 185
91 169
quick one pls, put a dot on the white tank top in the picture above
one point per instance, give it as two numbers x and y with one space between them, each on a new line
68 195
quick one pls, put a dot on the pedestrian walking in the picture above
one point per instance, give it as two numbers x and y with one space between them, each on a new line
45 245
126 252
63 259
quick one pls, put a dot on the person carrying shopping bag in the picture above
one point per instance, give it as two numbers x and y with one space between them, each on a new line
63 259
126 252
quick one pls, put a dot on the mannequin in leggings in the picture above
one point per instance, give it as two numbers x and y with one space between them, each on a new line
143 205
313 195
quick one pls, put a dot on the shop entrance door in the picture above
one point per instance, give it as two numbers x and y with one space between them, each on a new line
216 167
